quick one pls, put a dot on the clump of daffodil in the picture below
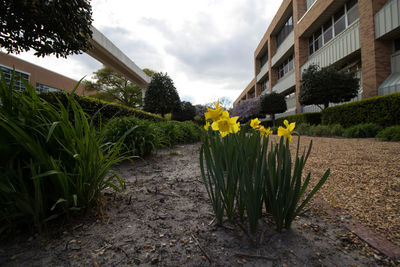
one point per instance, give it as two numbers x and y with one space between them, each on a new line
255 123
226 125
264 131
214 114
286 132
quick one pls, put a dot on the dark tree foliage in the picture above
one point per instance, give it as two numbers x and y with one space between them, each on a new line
272 104
247 109
321 86
185 112
114 87
161 96
48 26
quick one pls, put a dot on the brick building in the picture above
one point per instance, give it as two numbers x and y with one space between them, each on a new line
361 36
42 79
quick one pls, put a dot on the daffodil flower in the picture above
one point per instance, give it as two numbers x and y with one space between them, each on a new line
264 131
286 132
225 124
255 123
214 114
207 126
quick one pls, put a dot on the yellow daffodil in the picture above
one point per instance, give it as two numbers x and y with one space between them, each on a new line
207 126
286 132
214 114
225 124
255 123
264 131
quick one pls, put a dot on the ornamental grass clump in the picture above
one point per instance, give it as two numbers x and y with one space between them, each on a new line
53 162
242 174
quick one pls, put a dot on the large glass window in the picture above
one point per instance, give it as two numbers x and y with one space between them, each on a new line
336 24
18 84
284 32
285 67
41 88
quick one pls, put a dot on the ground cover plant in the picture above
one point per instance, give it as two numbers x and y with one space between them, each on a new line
390 133
241 173
53 162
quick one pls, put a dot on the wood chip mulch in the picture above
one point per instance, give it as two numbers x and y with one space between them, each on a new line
364 181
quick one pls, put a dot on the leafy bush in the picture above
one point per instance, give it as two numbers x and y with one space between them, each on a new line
390 133
172 133
320 130
312 118
247 109
185 112
142 139
380 110
102 111
49 166
362 131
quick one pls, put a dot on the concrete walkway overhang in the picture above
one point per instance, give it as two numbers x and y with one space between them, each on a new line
111 56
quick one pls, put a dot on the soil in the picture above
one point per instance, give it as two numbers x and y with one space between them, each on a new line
164 218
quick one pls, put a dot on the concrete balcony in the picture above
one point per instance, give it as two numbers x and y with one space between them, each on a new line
263 72
288 81
387 18
284 50
338 48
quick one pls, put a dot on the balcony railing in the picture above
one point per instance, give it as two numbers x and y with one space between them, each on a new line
263 71
387 18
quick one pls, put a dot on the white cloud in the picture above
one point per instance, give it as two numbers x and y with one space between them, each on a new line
205 46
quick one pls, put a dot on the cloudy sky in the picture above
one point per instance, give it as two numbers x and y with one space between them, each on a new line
205 46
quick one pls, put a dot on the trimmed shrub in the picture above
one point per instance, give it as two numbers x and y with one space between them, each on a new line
142 139
362 131
336 130
173 132
312 118
100 110
390 133
320 130
380 110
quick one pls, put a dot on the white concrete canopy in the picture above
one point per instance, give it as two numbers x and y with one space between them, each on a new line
111 56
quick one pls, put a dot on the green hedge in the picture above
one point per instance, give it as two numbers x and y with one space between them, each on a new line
381 110
312 118
108 110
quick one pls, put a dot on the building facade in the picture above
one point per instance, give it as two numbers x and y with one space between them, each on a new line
42 79
361 36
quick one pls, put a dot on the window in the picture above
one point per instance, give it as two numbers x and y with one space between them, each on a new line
18 84
264 59
336 24
352 11
309 3
285 67
328 34
264 85
284 32
396 45
41 88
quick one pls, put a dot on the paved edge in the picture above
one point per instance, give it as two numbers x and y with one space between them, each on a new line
380 243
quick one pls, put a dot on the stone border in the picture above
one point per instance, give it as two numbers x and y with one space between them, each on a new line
380 243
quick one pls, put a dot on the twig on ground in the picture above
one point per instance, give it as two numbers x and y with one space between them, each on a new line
198 244
255 256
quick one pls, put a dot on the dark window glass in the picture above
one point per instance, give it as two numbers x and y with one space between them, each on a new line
352 14
397 45
351 3
328 23
284 32
327 35
311 49
340 25
18 84
339 14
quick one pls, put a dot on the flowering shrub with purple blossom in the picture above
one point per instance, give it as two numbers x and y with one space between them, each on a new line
247 109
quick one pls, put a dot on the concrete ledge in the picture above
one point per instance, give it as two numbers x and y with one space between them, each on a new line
107 53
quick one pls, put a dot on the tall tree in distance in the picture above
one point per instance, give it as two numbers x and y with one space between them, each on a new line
114 87
321 86
47 26
272 104
161 96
